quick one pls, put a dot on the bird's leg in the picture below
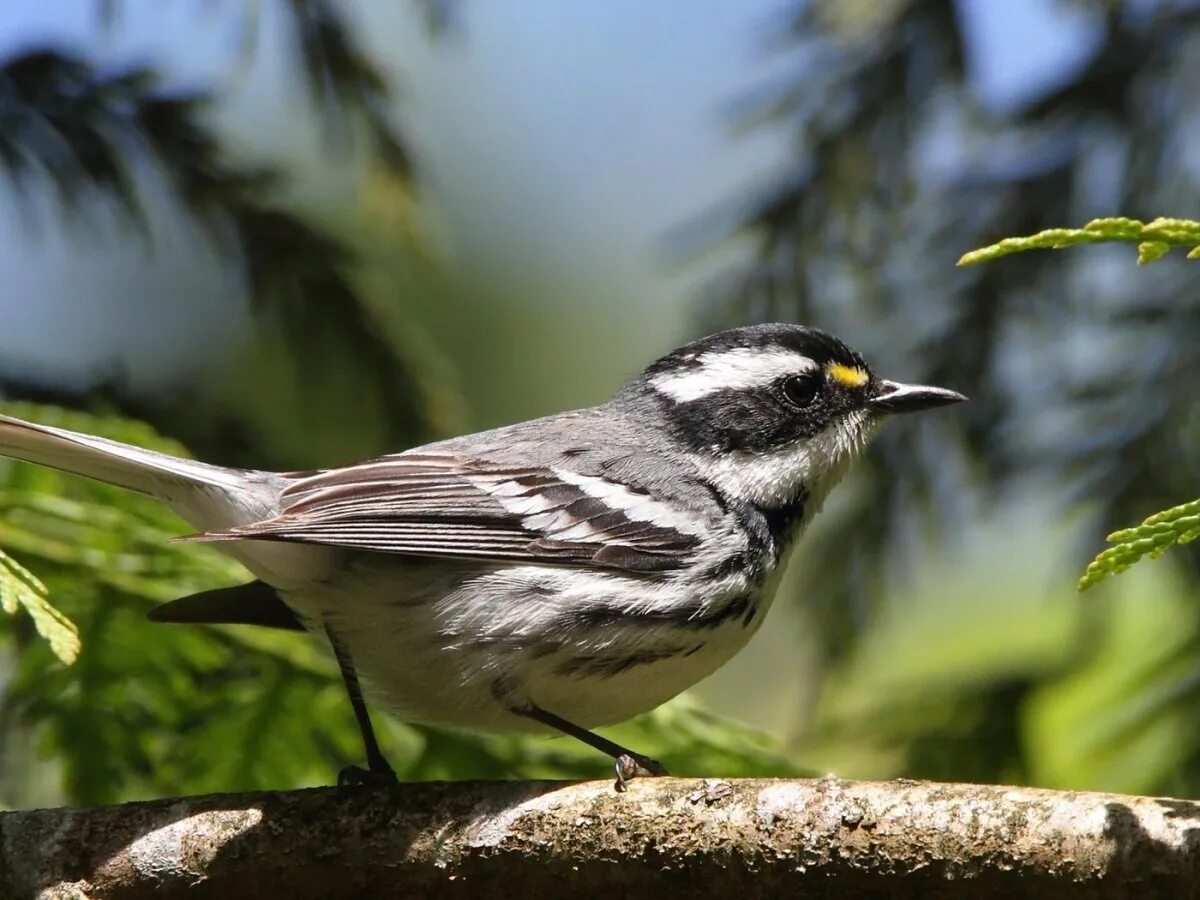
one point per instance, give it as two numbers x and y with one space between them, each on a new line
627 763
378 771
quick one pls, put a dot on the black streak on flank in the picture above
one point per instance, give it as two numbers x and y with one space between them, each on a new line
608 666
691 616
537 649
730 565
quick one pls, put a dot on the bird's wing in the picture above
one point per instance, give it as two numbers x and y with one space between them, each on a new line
441 504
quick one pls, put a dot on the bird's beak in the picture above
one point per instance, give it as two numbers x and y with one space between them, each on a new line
891 397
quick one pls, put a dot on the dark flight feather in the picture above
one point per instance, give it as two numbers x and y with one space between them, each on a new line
255 603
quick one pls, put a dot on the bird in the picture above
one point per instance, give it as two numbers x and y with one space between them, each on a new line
554 575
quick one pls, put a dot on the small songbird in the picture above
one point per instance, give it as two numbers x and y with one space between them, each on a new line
554 575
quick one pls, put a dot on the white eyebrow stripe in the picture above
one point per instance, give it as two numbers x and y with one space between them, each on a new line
739 368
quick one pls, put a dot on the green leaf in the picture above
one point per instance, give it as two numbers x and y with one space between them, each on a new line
20 589
1178 525
1153 239
1149 251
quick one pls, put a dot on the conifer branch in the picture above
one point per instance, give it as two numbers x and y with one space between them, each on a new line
1153 239
1178 525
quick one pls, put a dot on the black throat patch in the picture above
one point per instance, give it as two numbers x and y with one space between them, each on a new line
773 528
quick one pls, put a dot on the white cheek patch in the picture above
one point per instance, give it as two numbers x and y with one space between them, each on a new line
740 368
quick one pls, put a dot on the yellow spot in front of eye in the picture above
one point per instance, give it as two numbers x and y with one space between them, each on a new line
847 376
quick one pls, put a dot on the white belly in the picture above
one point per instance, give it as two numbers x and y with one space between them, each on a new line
463 644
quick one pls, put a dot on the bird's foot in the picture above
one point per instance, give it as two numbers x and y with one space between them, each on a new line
357 776
634 765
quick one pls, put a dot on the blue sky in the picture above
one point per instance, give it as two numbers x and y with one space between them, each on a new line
567 140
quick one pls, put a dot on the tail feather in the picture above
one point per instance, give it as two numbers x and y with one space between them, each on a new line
211 498
145 471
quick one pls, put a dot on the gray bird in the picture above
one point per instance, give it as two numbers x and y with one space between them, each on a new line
554 575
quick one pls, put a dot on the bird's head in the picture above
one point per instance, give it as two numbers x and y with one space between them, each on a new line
773 413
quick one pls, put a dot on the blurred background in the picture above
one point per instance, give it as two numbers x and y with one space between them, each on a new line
296 232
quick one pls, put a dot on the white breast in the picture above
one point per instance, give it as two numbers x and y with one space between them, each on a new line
459 643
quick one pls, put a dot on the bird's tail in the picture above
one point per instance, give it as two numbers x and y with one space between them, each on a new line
209 497
178 482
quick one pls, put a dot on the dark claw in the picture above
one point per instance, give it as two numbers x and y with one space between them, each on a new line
357 776
634 765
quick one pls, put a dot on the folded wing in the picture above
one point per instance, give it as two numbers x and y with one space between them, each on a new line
426 504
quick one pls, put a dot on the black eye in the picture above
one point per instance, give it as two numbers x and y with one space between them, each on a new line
799 390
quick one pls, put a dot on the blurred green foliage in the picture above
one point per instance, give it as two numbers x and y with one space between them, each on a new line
989 669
